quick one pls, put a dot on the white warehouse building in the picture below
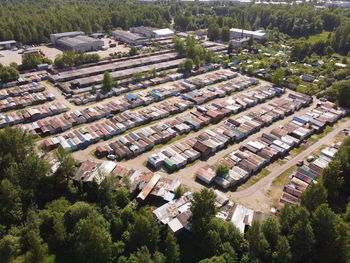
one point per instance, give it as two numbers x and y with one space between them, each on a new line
258 35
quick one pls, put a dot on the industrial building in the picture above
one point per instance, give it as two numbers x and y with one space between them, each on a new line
80 43
55 37
239 33
145 31
164 32
8 44
129 37
151 32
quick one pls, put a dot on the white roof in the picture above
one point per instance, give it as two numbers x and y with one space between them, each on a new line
248 32
163 31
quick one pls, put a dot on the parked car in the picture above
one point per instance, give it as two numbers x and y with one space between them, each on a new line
300 163
111 157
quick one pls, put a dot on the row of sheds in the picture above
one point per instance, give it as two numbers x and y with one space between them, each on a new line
306 175
270 146
27 78
113 65
131 85
212 140
129 101
123 121
21 90
122 88
12 103
31 114
144 139
92 133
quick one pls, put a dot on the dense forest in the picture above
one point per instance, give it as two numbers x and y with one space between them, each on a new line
31 22
45 217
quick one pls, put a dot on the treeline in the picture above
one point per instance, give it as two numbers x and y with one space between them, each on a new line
196 54
32 22
72 59
46 218
335 42
295 21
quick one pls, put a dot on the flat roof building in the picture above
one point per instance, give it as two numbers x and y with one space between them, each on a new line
8 44
145 31
164 32
239 33
129 37
151 32
80 43
57 36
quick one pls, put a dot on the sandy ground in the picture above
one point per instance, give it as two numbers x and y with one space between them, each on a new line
106 53
8 56
51 52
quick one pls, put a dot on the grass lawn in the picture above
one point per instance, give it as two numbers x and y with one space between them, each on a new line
282 179
278 184
315 38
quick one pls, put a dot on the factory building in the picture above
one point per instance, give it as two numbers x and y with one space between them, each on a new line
80 43
239 33
151 32
145 31
55 37
130 38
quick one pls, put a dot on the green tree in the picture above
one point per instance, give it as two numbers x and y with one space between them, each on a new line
258 245
133 51
179 191
282 253
314 196
144 232
10 203
225 34
277 76
271 229
172 249
10 248
213 32
222 169
31 60
107 82
327 245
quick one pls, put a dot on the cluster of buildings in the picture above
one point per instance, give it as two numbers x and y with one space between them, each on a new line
31 114
142 35
76 41
12 103
215 139
177 215
124 88
143 98
153 188
306 175
21 90
139 141
92 133
254 155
